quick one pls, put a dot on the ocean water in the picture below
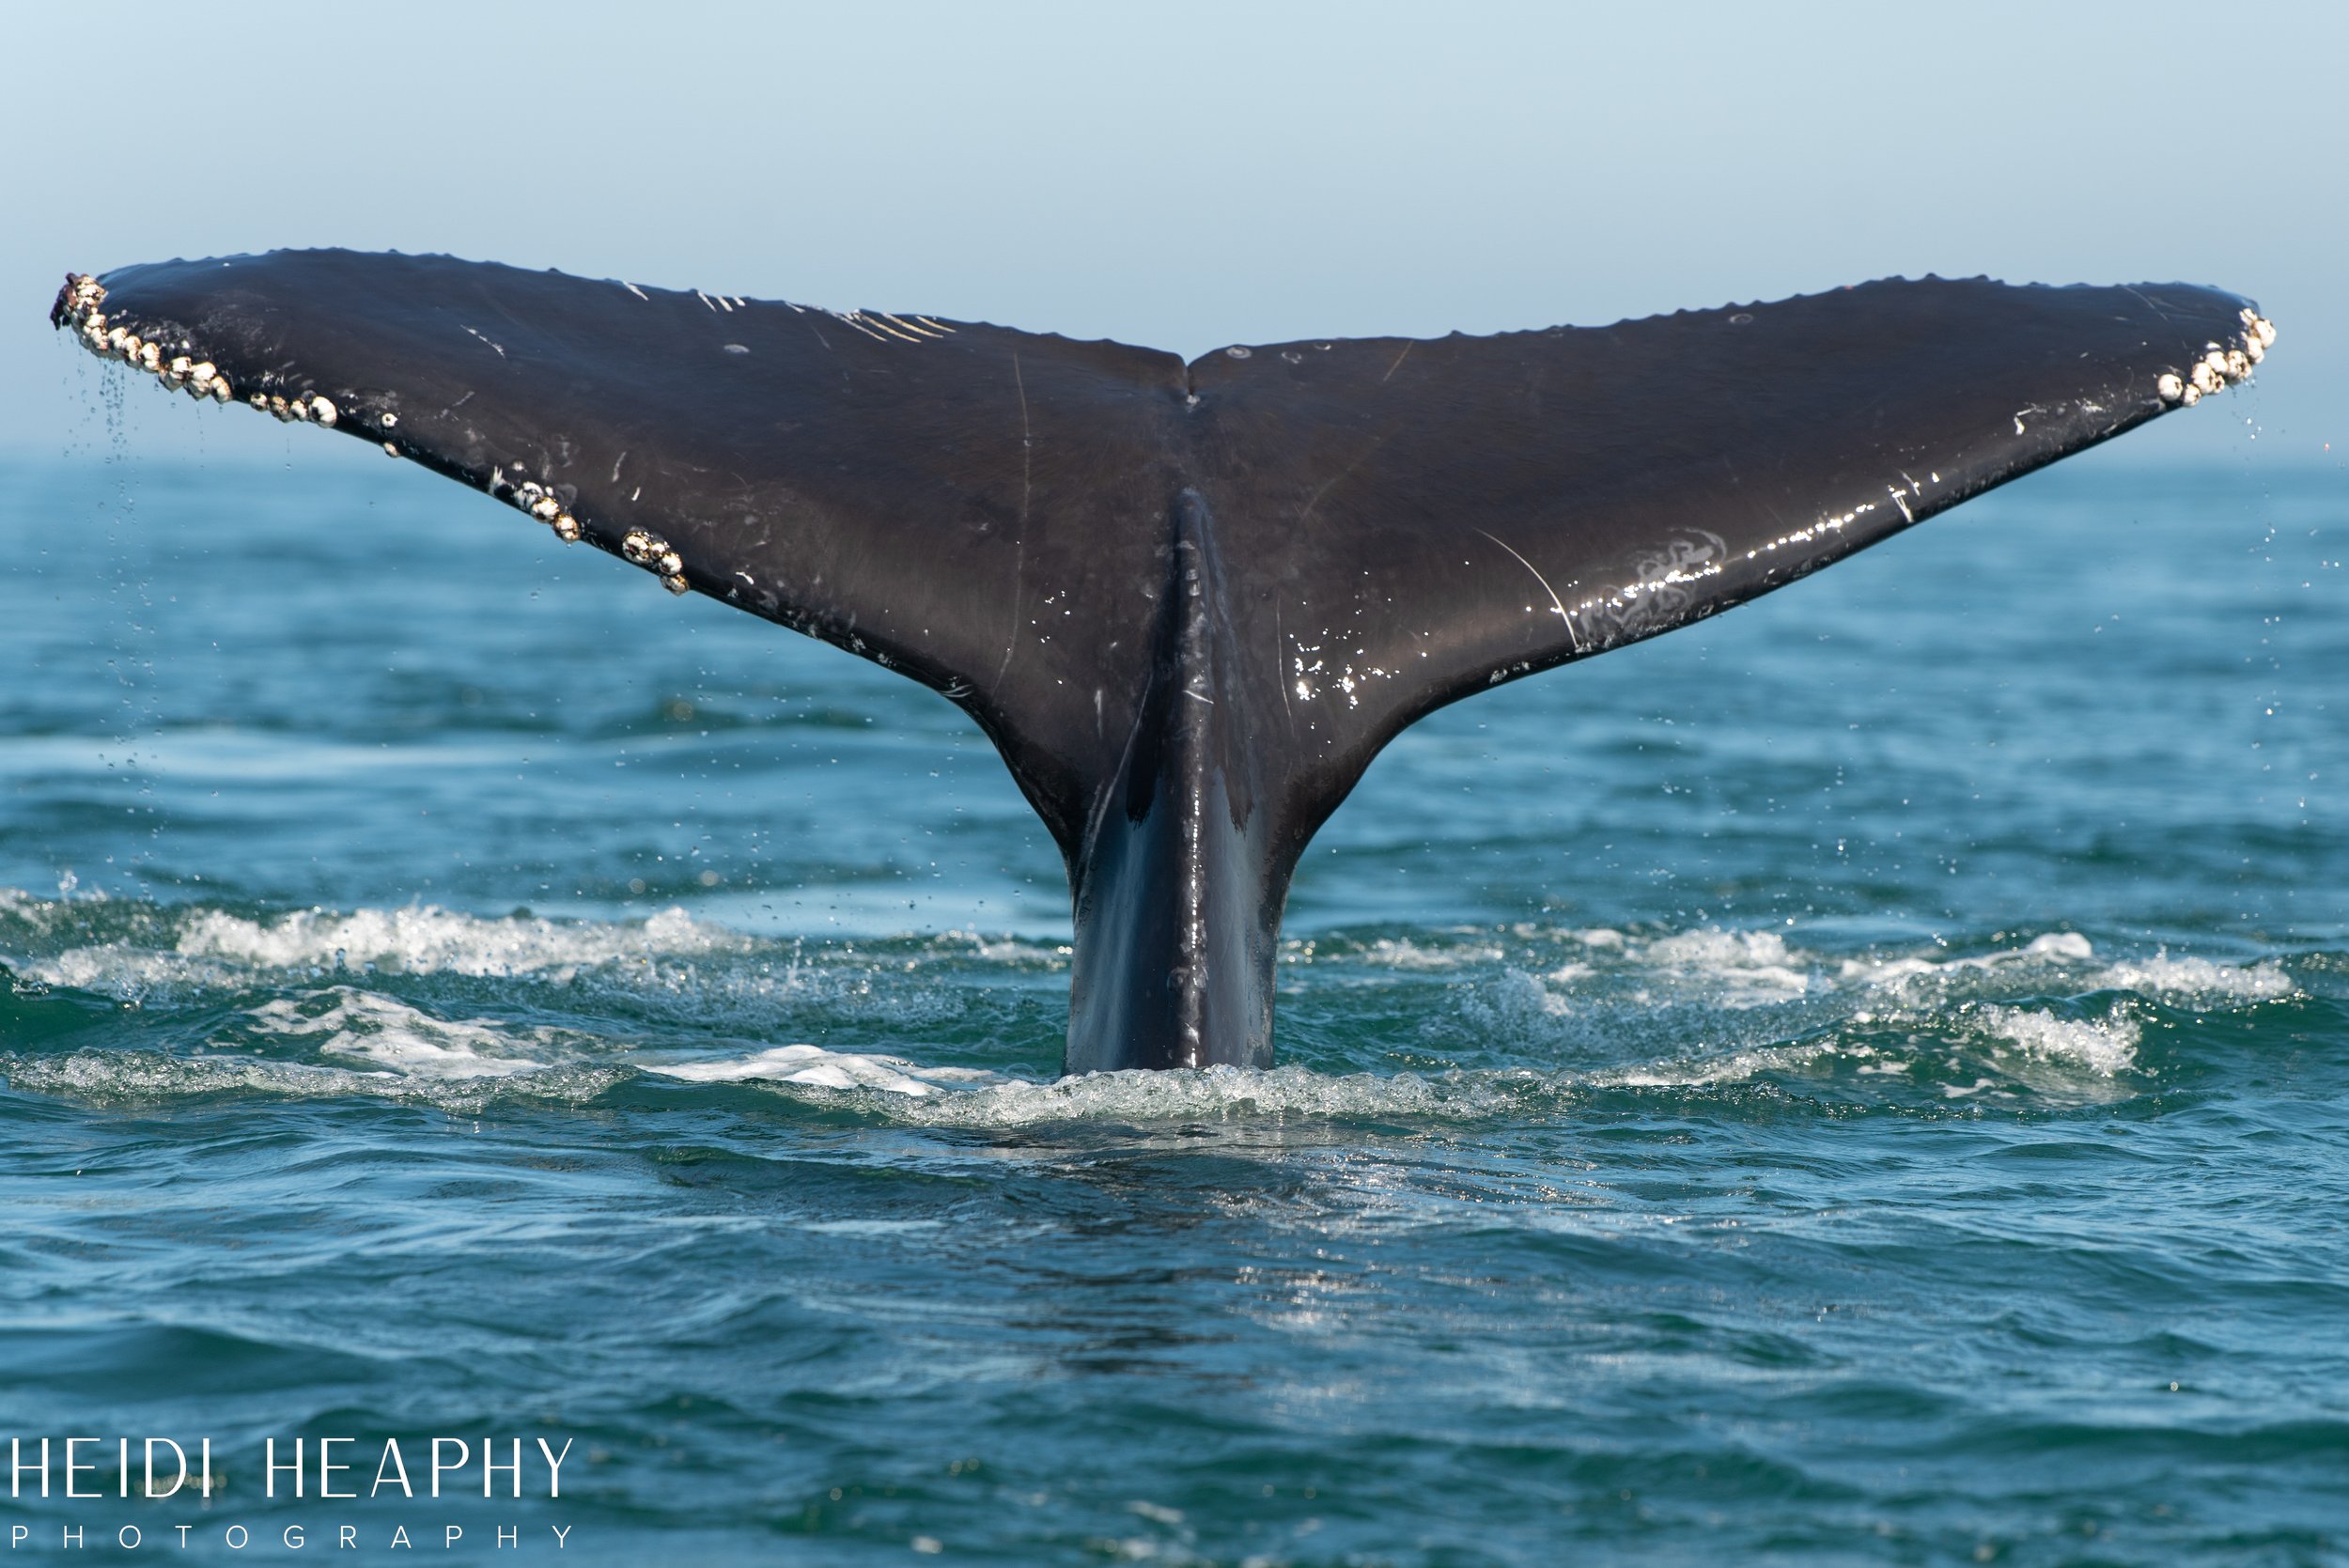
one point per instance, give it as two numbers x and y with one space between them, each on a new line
1865 1080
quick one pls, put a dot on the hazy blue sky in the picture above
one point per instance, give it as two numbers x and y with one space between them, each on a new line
1191 175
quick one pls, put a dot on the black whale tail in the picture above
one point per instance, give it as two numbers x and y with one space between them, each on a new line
1188 602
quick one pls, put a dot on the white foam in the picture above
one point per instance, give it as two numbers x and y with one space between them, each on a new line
1598 998
1014 950
143 1077
2056 944
2105 1045
1739 969
970 1097
1735 1067
1613 990
1516 998
120 969
1710 967
1241 1095
428 940
2051 947
1402 953
204 947
824 1069
2196 981
399 1038
1001 948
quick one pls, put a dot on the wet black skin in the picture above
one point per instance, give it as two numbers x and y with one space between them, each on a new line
1189 602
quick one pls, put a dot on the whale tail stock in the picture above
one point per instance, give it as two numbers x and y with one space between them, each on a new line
1188 602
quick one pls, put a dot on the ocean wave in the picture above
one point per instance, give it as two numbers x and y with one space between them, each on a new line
1743 969
2198 983
2053 947
1246 1094
1407 953
140 946
2105 1045
1538 1016
908 1091
428 940
820 1068
154 1076
348 1022
140 949
1743 1066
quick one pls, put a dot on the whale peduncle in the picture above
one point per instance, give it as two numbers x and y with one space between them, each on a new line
1179 881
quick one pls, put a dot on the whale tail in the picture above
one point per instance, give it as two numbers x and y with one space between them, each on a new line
1188 603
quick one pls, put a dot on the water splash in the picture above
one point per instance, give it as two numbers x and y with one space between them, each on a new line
1554 1015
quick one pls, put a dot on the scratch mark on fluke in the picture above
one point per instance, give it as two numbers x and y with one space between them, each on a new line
1020 533
1556 604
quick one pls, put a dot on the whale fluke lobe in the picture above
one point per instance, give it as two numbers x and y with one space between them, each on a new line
1188 603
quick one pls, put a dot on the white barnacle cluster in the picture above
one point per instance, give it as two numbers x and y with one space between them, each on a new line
83 294
652 553
2221 365
544 505
82 304
301 409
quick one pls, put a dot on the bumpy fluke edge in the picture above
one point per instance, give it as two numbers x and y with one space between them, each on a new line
2224 364
81 306
81 301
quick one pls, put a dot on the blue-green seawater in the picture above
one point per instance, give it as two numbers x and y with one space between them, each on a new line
1863 1080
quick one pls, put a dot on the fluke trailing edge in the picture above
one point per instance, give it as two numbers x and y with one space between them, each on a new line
1188 602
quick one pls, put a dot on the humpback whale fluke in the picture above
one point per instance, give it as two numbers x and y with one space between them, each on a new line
1188 602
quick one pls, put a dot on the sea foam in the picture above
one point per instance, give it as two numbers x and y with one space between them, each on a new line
1578 1011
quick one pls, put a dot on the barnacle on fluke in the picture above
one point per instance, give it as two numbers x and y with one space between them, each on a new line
1188 601
79 305
652 553
2222 362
